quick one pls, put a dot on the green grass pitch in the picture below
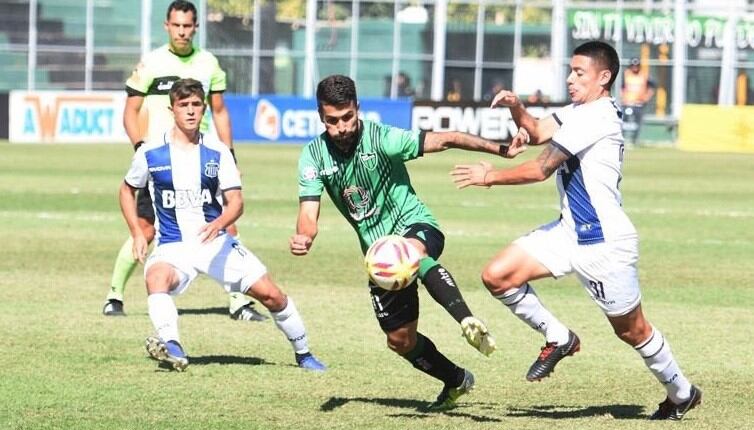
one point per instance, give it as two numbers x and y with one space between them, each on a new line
65 366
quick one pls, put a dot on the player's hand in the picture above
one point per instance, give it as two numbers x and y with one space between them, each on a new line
300 244
471 174
208 232
139 248
518 143
505 98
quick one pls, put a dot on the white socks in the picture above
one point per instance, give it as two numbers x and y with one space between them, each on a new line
289 322
659 359
525 304
164 316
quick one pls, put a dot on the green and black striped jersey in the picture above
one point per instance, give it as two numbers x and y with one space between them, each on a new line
154 76
369 186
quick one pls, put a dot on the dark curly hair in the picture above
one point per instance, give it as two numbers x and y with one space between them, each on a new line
336 90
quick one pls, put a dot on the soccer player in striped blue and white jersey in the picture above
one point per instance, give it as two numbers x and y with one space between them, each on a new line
147 115
188 173
593 237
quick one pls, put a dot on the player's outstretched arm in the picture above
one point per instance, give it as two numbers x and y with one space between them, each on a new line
306 227
232 210
537 170
440 141
540 130
127 198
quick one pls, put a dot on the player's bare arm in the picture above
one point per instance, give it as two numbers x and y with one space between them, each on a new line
440 141
306 227
131 118
540 130
127 198
232 210
531 171
221 118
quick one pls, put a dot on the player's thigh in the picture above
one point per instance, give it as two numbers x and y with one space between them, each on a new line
231 264
515 265
428 236
544 252
168 269
610 276
394 309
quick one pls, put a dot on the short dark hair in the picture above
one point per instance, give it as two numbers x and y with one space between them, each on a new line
336 90
185 88
182 6
602 54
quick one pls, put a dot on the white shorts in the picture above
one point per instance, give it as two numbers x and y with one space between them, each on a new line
224 259
607 270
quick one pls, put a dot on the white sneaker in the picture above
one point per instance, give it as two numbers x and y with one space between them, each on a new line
477 335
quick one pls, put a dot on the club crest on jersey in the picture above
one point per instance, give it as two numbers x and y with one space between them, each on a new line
359 203
369 159
211 168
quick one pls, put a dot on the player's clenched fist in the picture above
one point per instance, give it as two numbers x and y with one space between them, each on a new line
300 244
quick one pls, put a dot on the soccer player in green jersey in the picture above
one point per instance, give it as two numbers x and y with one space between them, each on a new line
147 116
361 165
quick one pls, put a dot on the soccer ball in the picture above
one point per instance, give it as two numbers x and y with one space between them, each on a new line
392 262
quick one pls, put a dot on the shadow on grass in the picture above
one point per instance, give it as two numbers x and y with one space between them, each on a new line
203 311
420 408
560 411
204 360
226 359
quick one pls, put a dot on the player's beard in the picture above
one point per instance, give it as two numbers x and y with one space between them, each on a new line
348 141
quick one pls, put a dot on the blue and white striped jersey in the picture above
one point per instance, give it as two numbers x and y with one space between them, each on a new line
186 185
588 182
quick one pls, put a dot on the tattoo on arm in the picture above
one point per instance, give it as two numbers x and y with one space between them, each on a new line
550 159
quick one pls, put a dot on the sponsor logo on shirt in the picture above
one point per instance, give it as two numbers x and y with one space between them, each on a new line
184 199
159 168
165 85
359 203
309 173
329 171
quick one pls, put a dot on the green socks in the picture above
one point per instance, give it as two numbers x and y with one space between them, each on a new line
124 267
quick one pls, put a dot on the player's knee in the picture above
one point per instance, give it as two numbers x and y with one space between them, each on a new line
634 333
497 277
400 342
159 281
268 294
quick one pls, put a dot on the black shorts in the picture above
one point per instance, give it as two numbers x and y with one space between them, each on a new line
395 309
144 207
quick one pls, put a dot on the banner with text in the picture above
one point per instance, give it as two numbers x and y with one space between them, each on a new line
66 116
656 28
474 118
295 119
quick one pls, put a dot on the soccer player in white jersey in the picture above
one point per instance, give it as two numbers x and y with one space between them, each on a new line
593 237
187 173
146 115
